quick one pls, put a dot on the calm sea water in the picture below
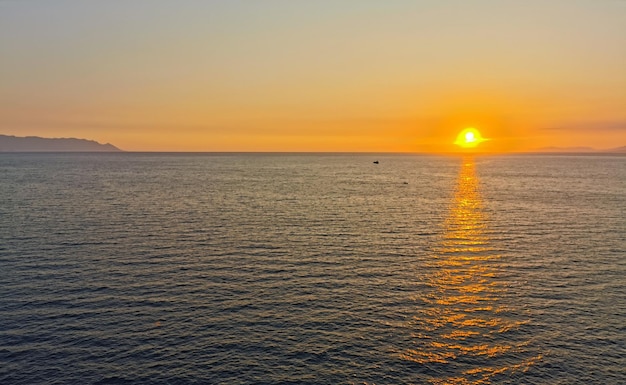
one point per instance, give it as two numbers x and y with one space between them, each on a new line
326 269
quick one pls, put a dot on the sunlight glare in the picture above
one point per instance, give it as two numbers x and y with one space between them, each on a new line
469 138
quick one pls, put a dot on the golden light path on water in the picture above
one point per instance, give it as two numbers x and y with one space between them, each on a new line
462 329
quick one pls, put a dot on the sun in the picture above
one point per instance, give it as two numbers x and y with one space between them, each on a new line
469 138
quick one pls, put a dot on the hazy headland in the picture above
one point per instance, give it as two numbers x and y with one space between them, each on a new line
36 144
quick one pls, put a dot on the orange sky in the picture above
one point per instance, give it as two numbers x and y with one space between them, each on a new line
315 76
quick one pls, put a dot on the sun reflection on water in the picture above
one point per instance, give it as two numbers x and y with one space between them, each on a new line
462 329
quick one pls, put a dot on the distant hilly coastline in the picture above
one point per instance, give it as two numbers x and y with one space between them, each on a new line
618 150
566 149
36 144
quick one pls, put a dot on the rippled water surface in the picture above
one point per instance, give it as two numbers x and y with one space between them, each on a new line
278 268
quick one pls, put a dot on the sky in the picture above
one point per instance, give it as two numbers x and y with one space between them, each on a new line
295 75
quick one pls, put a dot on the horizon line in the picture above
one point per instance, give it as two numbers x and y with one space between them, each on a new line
532 152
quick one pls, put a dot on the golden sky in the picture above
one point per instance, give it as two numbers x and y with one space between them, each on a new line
149 75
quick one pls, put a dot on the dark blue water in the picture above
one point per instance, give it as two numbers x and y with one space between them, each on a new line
277 268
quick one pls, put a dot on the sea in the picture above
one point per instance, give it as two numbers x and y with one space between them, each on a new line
252 268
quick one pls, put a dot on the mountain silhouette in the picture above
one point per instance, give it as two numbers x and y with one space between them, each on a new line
36 144
620 150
